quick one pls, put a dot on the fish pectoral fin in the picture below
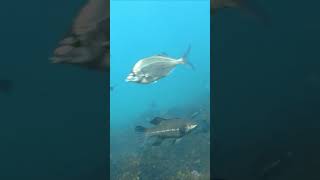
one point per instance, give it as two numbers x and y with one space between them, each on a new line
145 75
157 142
178 140
175 141
157 120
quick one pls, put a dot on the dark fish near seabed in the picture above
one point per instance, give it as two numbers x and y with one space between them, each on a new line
6 86
166 129
88 44
248 6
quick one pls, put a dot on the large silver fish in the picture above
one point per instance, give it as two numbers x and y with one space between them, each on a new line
166 129
151 69
88 44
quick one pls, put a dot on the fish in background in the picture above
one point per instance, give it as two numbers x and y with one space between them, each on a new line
6 86
174 128
271 164
88 43
277 166
248 6
151 69
153 105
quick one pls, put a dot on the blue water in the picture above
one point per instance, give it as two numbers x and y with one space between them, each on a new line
143 28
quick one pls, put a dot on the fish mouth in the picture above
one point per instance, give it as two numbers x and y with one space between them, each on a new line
193 126
127 80
132 78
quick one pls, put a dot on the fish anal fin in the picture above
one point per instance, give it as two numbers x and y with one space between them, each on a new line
157 142
175 141
157 120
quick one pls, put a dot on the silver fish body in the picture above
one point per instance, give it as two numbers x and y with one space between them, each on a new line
88 44
151 69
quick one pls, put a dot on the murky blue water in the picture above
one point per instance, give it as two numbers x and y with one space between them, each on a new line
266 91
141 29
53 124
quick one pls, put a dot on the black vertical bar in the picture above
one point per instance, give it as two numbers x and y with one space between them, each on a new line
108 96
212 174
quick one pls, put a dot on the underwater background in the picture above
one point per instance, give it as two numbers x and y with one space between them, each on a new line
265 95
144 28
53 122
266 82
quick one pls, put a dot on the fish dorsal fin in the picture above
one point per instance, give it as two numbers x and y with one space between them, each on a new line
157 120
163 54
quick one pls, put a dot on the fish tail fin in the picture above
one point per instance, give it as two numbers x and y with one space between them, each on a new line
185 58
141 133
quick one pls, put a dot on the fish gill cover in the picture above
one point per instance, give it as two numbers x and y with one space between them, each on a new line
160 32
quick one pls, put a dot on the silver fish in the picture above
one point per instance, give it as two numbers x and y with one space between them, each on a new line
88 44
166 129
151 69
